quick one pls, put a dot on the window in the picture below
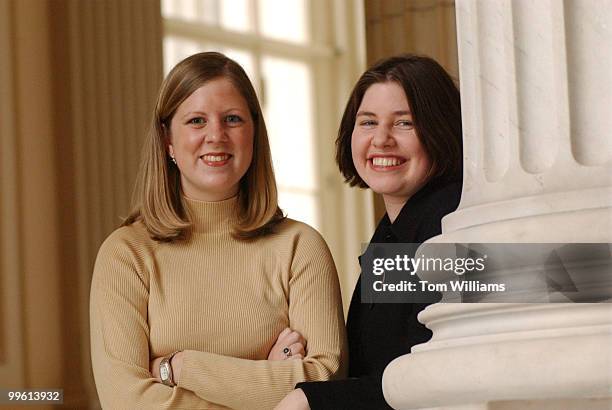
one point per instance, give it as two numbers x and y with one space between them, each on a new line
303 58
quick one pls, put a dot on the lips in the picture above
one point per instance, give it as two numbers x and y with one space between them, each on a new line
386 162
216 159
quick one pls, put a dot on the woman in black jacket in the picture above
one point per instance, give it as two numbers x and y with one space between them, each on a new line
400 136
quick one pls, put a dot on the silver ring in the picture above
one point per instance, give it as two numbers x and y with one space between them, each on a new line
287 352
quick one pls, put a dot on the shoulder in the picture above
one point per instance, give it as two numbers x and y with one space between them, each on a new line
298 238
128 244
123 264
290 229
445 197
305 251
134 236
440 202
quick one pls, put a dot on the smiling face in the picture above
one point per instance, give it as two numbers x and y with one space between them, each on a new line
386 150
211 139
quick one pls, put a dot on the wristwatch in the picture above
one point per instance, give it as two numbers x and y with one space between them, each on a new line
165 370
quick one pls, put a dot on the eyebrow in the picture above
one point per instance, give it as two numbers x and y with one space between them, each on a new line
203 113
193 112
371 114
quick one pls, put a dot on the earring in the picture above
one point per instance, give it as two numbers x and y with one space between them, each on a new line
173 159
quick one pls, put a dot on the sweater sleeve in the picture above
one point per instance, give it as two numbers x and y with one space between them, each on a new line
120 334
314 310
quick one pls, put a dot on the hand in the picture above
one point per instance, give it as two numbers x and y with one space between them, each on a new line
288 339
176 363
296 400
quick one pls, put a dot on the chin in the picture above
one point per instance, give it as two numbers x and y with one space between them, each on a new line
217 187
218 182
384 188
383 191
401 191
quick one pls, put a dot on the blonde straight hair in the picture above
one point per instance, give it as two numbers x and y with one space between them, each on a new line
158 199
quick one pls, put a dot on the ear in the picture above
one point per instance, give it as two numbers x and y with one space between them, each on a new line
168 141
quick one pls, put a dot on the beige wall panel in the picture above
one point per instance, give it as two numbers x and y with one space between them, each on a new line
115 68
11 333
64 79
77 84
412 26
38 207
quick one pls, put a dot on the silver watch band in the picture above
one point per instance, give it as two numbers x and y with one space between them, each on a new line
165 370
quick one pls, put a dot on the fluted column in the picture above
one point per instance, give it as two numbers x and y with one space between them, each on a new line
110 70
535 78
535 83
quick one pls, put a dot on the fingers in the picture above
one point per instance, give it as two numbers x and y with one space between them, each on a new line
286 331
301 339
290 338
294 351
297 349
276 353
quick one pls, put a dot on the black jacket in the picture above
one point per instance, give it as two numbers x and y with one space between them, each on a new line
379 333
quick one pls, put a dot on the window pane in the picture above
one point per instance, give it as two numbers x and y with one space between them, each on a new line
284 19
287 106
246 60
302 207
236 15
205 11
178 48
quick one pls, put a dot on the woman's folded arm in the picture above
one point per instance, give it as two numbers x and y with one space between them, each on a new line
315 311
120 337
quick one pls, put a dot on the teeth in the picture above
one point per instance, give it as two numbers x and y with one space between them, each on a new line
385 161
215 158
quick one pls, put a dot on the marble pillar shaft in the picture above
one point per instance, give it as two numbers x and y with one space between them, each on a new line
535 78
535 87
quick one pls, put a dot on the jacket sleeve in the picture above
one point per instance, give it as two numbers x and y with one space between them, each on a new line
120 335
314 310
363 393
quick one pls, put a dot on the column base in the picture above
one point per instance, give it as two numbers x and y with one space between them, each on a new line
569 404
480 356
524 220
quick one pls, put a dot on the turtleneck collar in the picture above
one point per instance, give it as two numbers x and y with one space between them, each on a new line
211 217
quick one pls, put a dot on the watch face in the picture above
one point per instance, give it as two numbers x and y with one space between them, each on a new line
163 372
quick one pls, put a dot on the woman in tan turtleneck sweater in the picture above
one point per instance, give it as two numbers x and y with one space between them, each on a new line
206 272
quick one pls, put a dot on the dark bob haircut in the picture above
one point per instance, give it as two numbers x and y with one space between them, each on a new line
434 103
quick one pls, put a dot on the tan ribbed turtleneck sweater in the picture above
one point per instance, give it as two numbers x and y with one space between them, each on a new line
220 300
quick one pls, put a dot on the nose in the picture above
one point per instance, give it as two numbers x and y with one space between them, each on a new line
382 137
215 131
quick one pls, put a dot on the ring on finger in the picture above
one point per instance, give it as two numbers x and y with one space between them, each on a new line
287 352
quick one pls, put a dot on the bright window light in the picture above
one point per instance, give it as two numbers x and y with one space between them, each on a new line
284 19
236 15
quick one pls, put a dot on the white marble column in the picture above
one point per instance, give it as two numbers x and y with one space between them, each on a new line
536 85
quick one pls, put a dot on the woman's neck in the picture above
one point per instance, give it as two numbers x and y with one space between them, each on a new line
216 216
